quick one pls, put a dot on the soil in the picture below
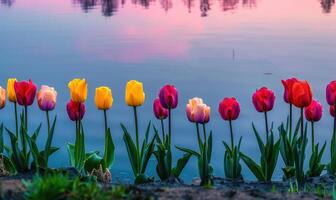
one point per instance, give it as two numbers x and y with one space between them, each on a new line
11 188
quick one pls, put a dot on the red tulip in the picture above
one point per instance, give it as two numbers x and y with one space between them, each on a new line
288 84
331 93
263 99
229 108
159 111
25 92
73 110
301 94
332 111
168 96
314 111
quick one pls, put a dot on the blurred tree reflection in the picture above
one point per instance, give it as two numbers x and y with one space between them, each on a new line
327 5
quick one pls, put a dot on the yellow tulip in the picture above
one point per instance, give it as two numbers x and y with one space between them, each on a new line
134 94
78 90
103 98
10 90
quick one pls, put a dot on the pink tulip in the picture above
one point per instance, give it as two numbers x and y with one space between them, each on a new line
46 98
314 111
263 99
159 111
197 111
229 109
168 96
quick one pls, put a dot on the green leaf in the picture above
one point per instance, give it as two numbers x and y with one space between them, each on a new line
259 140
71 152
1 140
181 163
209 151
93 161
109 149
254 167
9 166
192 152
49 139
147 154
131 151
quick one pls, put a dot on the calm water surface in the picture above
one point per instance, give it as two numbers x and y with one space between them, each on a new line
206 48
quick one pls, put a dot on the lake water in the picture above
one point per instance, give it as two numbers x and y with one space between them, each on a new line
206 48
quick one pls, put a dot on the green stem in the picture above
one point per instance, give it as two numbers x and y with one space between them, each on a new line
231 132
204 134
105 120
198 136
169 121
162 129
313 141
136 127
25 132
290 121
16 120
47 147
266 125
302 124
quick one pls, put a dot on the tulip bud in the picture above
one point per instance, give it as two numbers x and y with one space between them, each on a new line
46 98
10 90
159 111
103 98
197 111
314 111
301 94
2 98
229 109
78 90
288 84
73 110
169 96
134 94
331 93
263 99
25 92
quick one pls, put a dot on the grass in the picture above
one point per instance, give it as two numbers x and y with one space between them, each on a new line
60 187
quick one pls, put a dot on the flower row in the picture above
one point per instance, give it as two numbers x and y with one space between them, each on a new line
24 154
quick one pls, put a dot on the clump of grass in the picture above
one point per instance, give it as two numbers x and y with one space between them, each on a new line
60 187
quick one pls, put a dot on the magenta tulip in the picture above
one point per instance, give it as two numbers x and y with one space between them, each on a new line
229 109
159 111
314 111
169 97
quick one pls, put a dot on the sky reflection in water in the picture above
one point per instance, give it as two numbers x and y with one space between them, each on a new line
209 49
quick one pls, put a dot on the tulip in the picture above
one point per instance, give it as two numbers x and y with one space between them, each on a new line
10 90
104 101
263 99
313 112
197 111
159 111
288 85
169 96
332 111
134 95
25 92
75 110
103 98
12 98
2 98
46 98
301 94
229 109
169 99
331 93
302 97
78 90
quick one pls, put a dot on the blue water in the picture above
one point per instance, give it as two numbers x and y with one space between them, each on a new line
210 49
